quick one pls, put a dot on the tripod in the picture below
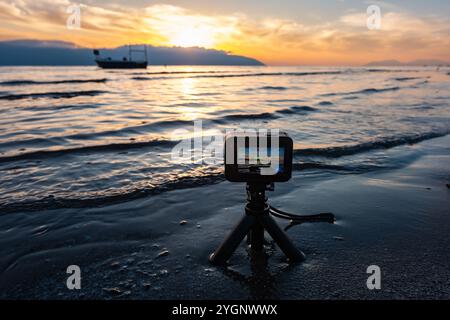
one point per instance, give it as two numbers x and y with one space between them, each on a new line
256 219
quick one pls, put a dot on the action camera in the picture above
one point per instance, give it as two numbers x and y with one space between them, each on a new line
258 157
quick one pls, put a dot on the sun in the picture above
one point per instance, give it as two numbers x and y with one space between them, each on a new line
195 36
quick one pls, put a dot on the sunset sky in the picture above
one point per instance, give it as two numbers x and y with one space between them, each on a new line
282 32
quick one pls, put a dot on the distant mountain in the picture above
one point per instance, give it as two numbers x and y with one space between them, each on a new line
60 53
428 62
396 63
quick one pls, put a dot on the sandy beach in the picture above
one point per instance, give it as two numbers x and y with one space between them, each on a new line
395 218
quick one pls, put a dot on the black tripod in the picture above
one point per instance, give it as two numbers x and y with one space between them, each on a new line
257 219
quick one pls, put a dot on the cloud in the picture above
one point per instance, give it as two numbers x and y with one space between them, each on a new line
271 39
402 32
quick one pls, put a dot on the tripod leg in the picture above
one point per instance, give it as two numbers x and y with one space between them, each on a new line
226 249
281 239
256 236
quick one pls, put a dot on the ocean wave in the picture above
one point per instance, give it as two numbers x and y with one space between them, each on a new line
33 82
52 95
297 109
363 91
384 143
61 107
202 74
240 75
120 196
258 74
374 90
300 166
109 197
204 177
406 78
264 115
132 130
277 88
265 74
392 70
332 152
378 70
325 103
182 72
141 78
136 129
197 178
87 149
285 100
245 116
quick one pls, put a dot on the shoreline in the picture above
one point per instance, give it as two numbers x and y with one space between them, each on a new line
395 218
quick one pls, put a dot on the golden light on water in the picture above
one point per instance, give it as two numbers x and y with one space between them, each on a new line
188 86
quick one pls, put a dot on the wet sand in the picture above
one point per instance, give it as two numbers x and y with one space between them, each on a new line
398 219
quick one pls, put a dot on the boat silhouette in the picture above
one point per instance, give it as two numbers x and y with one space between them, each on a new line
125 63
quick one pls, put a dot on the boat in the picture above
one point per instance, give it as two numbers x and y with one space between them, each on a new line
125 63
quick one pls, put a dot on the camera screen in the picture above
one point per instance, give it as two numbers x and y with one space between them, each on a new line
258 162
250 161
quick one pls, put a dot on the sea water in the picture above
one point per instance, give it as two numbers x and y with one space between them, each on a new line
82 136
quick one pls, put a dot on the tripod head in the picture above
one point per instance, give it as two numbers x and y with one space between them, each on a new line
256 192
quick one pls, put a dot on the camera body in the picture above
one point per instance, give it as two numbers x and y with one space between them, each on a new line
256 157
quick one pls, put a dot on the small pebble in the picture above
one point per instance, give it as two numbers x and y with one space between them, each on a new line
145 273
164 272
146 285
163 253
183 222
338 238
113 290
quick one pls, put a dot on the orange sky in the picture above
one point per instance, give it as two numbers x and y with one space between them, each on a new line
273 39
